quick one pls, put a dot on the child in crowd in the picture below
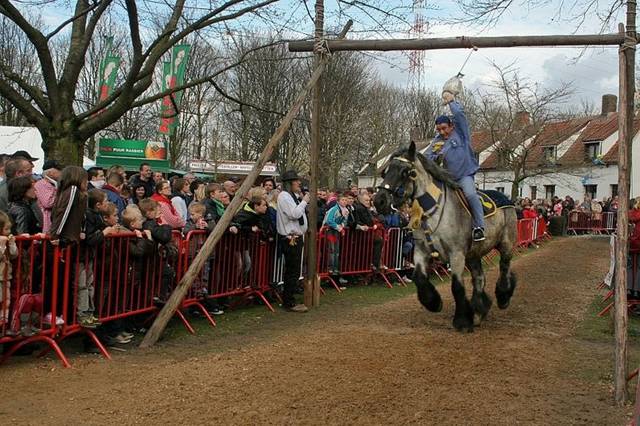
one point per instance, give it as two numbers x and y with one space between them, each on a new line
197 212
8 252
162 235
251 220
67 220
335 220
142 245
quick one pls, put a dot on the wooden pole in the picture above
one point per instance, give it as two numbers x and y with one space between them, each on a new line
183 287
312 285
625 132
464 42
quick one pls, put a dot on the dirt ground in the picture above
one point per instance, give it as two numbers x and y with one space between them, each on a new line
388 363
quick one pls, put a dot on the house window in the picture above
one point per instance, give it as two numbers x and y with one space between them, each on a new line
500 189
549 192
614 190
534 192
550 154
592 151
591 191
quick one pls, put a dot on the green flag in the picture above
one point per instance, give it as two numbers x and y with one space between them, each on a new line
108 71
167 111
173 76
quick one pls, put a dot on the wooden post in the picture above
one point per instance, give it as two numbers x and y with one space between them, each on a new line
312 285
625 137
160 323
183 287
464 42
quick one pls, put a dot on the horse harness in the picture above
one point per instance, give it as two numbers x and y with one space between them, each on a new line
423 207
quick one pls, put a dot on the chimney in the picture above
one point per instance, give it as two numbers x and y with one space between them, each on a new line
609 104
521 120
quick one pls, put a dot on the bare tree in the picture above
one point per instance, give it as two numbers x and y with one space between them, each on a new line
51 106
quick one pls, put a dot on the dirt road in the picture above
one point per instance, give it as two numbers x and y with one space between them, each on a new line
391 363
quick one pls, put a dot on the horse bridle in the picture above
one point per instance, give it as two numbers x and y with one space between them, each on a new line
399 191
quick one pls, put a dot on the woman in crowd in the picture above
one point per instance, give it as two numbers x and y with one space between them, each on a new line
168 214
137 194
22 195
181 196
634 218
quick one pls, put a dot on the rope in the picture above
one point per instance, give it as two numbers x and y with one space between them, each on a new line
473 49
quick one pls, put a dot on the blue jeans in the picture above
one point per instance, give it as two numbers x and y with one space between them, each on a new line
469 188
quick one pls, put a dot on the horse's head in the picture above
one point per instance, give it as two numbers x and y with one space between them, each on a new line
399 181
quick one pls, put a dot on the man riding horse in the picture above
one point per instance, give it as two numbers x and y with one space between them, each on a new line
452 148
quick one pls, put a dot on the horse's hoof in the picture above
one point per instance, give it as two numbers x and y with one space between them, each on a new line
434 305
504 304
463 324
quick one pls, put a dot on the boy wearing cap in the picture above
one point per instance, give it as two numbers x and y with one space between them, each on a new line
46 190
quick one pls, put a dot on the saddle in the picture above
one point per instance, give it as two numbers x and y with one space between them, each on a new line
491 201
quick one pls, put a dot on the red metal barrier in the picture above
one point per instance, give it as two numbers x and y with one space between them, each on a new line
526 232
30 293
239 266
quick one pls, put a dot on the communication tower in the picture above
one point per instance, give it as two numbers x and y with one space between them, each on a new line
419 28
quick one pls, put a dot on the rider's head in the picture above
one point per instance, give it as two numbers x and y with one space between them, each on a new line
444 126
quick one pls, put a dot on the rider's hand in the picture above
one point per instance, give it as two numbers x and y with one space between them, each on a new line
447 97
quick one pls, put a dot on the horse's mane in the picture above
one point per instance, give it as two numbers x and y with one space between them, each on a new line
432 168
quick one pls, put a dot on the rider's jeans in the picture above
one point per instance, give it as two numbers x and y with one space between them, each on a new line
469 188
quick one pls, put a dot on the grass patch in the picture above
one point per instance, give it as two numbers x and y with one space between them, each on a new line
257 320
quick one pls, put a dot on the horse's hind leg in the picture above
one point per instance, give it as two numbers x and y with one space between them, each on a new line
506 284
427 293
463 316
480 301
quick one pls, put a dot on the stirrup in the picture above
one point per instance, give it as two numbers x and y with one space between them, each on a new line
478 234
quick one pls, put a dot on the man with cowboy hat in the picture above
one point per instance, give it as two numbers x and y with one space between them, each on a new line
291 223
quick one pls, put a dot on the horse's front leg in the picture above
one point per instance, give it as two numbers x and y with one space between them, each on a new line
463 316
480 301
427 293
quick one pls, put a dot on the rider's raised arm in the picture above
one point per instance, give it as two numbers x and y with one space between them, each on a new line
460 120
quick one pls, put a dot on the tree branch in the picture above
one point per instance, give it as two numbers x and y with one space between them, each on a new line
22 104
70 20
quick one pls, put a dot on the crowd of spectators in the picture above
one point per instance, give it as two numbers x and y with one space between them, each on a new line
77 208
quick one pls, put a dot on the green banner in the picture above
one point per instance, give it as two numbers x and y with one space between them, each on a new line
167 111
108 71
173 74
132 148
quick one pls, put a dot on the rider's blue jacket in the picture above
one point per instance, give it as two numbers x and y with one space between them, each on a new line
459 158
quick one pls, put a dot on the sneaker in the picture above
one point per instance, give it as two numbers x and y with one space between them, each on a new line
342 281
215 311
478 234
117 340
26 331
95 321
342 288
47 319
87 323
407 280
297 308
158 302
126 335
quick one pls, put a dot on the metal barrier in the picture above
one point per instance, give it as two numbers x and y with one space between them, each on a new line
119 279
582 222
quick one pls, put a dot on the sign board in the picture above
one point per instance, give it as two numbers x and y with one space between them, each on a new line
129 153
230 167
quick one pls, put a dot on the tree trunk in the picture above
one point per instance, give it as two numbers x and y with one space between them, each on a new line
65 149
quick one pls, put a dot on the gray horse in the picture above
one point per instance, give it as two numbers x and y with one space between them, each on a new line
445 231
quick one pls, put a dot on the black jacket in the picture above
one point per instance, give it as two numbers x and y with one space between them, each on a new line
246 219
93 227
160 233
23 218
361 215
149 186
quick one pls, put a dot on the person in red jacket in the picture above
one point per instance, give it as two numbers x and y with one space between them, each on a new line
529 212
634 218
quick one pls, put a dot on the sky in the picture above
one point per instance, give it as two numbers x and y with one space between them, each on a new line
592 72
